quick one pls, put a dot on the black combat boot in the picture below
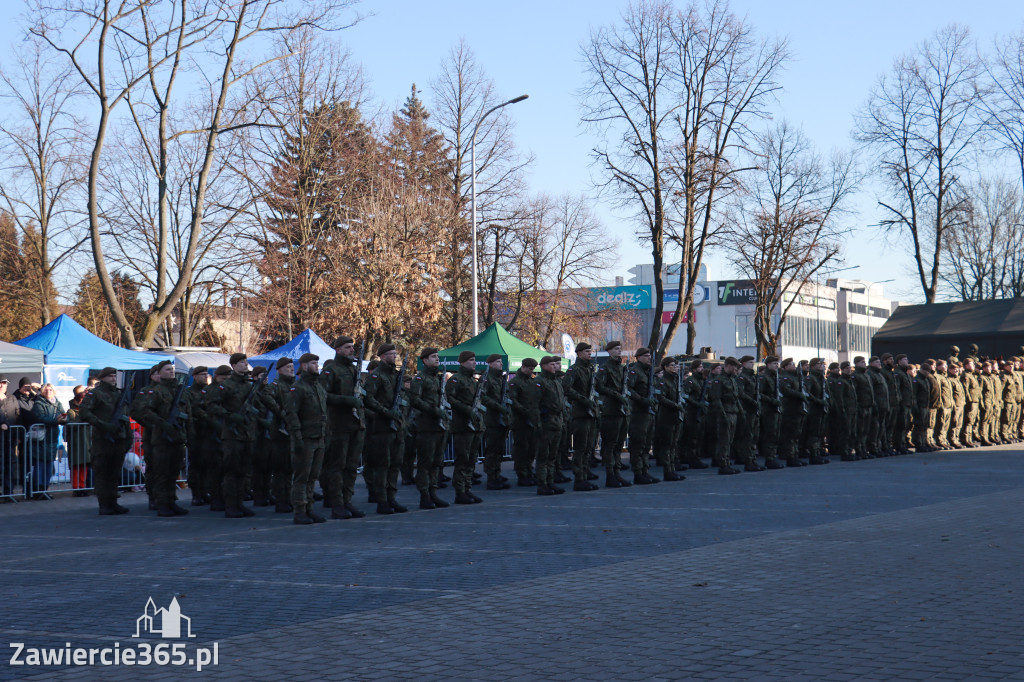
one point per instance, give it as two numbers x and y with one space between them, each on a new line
426 502
400 509
354 511
302 519
610 481
438 502
384 508
463 498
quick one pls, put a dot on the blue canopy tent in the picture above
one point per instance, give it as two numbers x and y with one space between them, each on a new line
306 342
70 351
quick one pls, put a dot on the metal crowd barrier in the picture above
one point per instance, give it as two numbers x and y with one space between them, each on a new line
12 462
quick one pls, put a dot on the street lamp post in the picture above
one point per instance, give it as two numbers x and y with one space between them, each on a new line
817 306
472 162
867 291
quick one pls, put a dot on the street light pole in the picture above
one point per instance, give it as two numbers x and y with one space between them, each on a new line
472 163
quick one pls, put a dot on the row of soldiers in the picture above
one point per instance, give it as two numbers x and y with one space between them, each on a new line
272 441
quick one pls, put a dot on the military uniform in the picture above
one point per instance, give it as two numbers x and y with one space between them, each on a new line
552 416
227 402
865 389
692 437
817 409
496 419
922 387
577 386
956 421
306 413
724 399
667 423
525 392
1008 417
425 395
467 430
641 421
794 410
200 448
905 408
167 443
878 440
384 449
746 419
269 412
111 438
771 418
944 414
972 407
281 445
838 421
615 407
346 428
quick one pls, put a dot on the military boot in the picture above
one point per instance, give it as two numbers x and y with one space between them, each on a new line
611 481
302 519
463 498
438 502
400 509
384 508
426 502
354 511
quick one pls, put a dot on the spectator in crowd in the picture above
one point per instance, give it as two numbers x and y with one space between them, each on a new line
77 445
132 473
9 414
47 413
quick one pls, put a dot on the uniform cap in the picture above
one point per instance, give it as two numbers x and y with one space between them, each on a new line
859 358
529 363
668 360
732 362
163 363
640 352
221 371
494 356
342 341
771 358
385 348
198 369
696 364
582 346
258 370
746 358
833 365
106 371
281 362
787 361
844 364
466 355
427 352
873 358
612 344
309 357
236 358
372 365
901 356
886 356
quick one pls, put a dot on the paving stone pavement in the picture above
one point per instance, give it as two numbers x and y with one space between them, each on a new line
902 568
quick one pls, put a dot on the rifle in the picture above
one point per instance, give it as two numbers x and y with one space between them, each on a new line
444 404
679 394
247 401
120 414
757 392
592 396
824 393
704 396
357 388
778 392
651 390
506 401
174 414
397 401
477 406
624 404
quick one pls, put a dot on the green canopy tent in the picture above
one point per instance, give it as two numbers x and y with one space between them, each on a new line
494 339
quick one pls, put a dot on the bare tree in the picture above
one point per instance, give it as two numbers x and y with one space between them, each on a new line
119 47
725 78
631 101
922 123
787 226
985 245
42 143
461 94
1004 102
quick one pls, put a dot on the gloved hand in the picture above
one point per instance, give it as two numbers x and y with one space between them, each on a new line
236 418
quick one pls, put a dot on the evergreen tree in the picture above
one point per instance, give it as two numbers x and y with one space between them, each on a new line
91 311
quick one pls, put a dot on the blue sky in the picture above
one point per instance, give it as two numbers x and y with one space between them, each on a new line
533 47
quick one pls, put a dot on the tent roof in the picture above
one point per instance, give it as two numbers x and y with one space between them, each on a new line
494 339
185 361
16 359
65 342
955 320
306 342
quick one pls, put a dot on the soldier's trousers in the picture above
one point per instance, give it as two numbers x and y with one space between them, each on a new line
877 429
941 426
306 463
383 460
547 457
495 438
261 469
215 471
467 449
838 434
814 424
640 426
726 422
563 448
989 415
107 460
666 440
1008 423
524 452
956 425
408 466
613 436
889 439
198 458
584 441
235 456
789 436
922 418
341 462
281 468
969 434
742 442
429 456
768 438
900 426
692 437
865 415
162 467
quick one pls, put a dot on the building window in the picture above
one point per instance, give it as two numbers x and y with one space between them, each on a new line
810 333
861 309
745 335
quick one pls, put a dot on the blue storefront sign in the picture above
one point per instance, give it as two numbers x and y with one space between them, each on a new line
622 298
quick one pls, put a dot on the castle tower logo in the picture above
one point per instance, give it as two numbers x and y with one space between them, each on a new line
164 622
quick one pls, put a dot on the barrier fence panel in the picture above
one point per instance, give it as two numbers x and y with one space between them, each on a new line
12 462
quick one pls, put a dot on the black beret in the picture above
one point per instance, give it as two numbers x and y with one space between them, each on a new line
163 363
385 348
787 361
152 370
582 346
640 352
844 364
372 365
309 357
200 369
873 358
668 360
901 356
833 365
746 358
106 371
342 340
258 370
281 362
696 364
237 358
732 362
612 344
886 356
221 371
466 355
529 363
859 358
771 358
427 352
493 357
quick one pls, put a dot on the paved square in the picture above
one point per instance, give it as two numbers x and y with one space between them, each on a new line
899 568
